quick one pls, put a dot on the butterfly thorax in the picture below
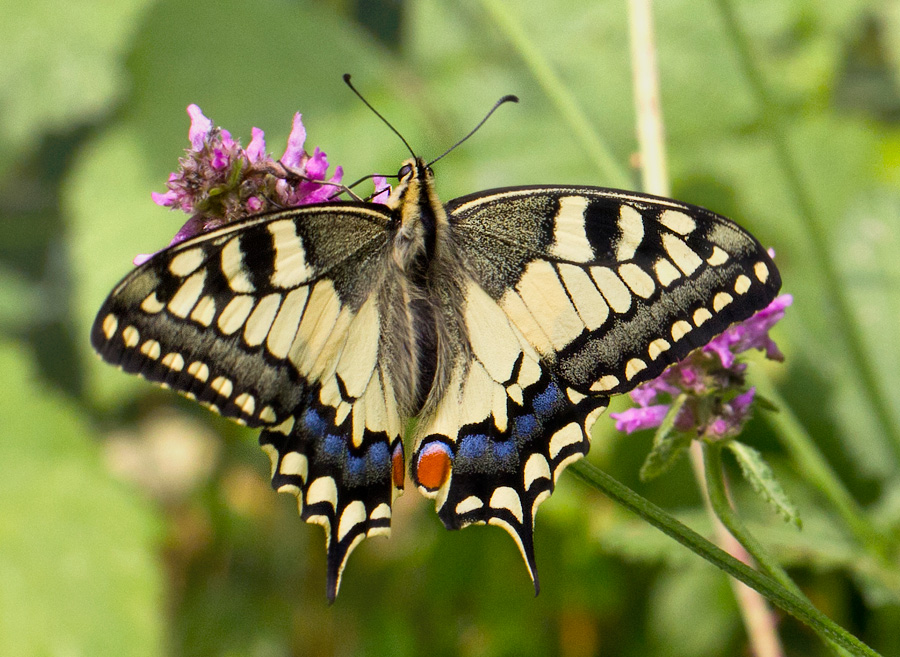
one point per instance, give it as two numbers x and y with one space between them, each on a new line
423 291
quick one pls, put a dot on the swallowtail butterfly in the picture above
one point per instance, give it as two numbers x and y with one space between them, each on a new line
503 321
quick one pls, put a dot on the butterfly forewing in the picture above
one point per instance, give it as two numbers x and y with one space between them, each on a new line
611 287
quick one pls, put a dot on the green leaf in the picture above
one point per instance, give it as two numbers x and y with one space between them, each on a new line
636 541
761 478
78 562
61 66
865 250
764 404
111 220
668 444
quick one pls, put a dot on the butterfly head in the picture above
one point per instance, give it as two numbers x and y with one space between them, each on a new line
412 175
420 213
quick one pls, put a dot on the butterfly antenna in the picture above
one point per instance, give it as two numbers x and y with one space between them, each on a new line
506 99
378 114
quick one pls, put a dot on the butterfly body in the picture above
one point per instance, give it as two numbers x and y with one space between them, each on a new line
503 321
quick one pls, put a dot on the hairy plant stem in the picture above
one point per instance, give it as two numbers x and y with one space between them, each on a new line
758 617
764 584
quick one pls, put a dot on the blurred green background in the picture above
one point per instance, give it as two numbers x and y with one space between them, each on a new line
133 522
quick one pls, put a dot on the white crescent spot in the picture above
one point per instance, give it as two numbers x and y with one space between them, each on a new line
151 349
471 503
507 498
701 316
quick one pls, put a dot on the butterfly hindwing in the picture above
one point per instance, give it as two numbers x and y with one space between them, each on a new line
274 322
345 465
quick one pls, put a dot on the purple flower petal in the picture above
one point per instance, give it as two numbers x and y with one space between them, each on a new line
200 127
644 395
338 175
317 165
256 149
254 204
644 417
740 405
294 154
166 199
141 258
220 159
718 428
721 347
227 142
382 189
192 227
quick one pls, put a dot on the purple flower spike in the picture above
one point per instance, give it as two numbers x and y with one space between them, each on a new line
218 181
751 334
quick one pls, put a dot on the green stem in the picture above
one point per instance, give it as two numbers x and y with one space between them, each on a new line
765 585
608 164
846 325
718 499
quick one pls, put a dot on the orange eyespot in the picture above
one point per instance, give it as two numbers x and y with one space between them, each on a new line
433 465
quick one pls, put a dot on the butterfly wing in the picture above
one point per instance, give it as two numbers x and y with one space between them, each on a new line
275 322
575 294
504 430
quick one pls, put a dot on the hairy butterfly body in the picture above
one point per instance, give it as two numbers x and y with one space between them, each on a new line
504 321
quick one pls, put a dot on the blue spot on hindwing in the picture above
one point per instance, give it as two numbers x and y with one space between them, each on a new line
333 445
525 427
356 466
504 449
379 456
550 401
473 447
